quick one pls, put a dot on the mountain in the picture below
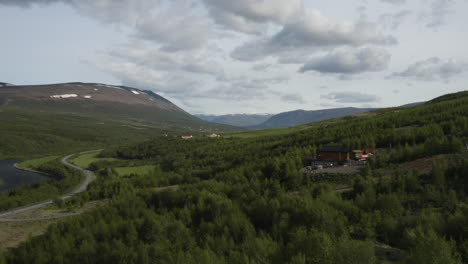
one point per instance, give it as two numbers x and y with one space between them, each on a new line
116 102
58 118
2 84
239 120
300 117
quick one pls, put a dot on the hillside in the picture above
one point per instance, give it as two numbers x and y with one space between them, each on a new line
239 120
449 97
300 117
46 119
244 200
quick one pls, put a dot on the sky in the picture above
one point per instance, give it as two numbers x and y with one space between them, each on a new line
244 56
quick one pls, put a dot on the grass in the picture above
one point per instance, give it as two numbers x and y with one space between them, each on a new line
29 224
85 160
141 170
34 163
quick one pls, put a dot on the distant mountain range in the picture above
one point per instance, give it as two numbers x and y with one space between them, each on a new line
282 120
240 120
301 117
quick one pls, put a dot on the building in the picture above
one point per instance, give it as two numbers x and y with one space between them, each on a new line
214 135
335 154
186 136
356 154
368 151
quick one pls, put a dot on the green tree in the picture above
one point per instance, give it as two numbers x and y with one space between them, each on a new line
429 248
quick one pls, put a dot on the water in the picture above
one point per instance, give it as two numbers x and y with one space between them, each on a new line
12 178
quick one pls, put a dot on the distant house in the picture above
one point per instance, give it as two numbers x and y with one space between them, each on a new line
335 154
368 151
356 154
186 136
214 135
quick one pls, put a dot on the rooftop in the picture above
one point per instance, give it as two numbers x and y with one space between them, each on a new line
334 149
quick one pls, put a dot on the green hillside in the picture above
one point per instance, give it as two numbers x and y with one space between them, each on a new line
243 199
33 123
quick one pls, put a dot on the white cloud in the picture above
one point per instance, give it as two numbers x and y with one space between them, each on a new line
433 69
440 9
351 97
173 31
394 20
349 61
246 15
293 98
313 32
394 2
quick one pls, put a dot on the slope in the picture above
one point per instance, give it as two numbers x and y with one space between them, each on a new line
243 200
52 119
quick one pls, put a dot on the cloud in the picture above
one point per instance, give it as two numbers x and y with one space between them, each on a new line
439 11
349 61
106 11
28 3
148 56
351 97
246 15
395 2
173 31
313 32
293 98
433 69
263 67
394 20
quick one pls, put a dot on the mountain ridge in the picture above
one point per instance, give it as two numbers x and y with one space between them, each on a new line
241 120
113 101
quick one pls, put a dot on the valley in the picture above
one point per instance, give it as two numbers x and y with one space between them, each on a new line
233 132
242 196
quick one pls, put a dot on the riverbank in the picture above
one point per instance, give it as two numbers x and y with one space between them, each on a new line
62 180
13 177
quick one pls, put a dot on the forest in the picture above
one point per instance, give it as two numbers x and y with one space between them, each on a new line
243 200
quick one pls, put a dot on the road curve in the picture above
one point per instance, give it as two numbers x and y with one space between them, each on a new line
89 177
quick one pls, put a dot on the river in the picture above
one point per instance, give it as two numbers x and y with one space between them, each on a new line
12 178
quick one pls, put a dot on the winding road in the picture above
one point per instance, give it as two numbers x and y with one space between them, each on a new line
89 177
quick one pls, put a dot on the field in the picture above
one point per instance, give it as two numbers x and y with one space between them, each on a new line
85 160
29 164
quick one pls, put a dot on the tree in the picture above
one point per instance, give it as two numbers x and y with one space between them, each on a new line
429 248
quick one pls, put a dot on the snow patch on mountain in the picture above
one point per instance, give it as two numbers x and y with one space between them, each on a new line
64 96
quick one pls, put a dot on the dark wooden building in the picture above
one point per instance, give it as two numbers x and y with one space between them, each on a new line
335 154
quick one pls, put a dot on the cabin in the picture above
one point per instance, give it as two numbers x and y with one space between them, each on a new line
335 154
356 154
368 151
186 136
214 135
